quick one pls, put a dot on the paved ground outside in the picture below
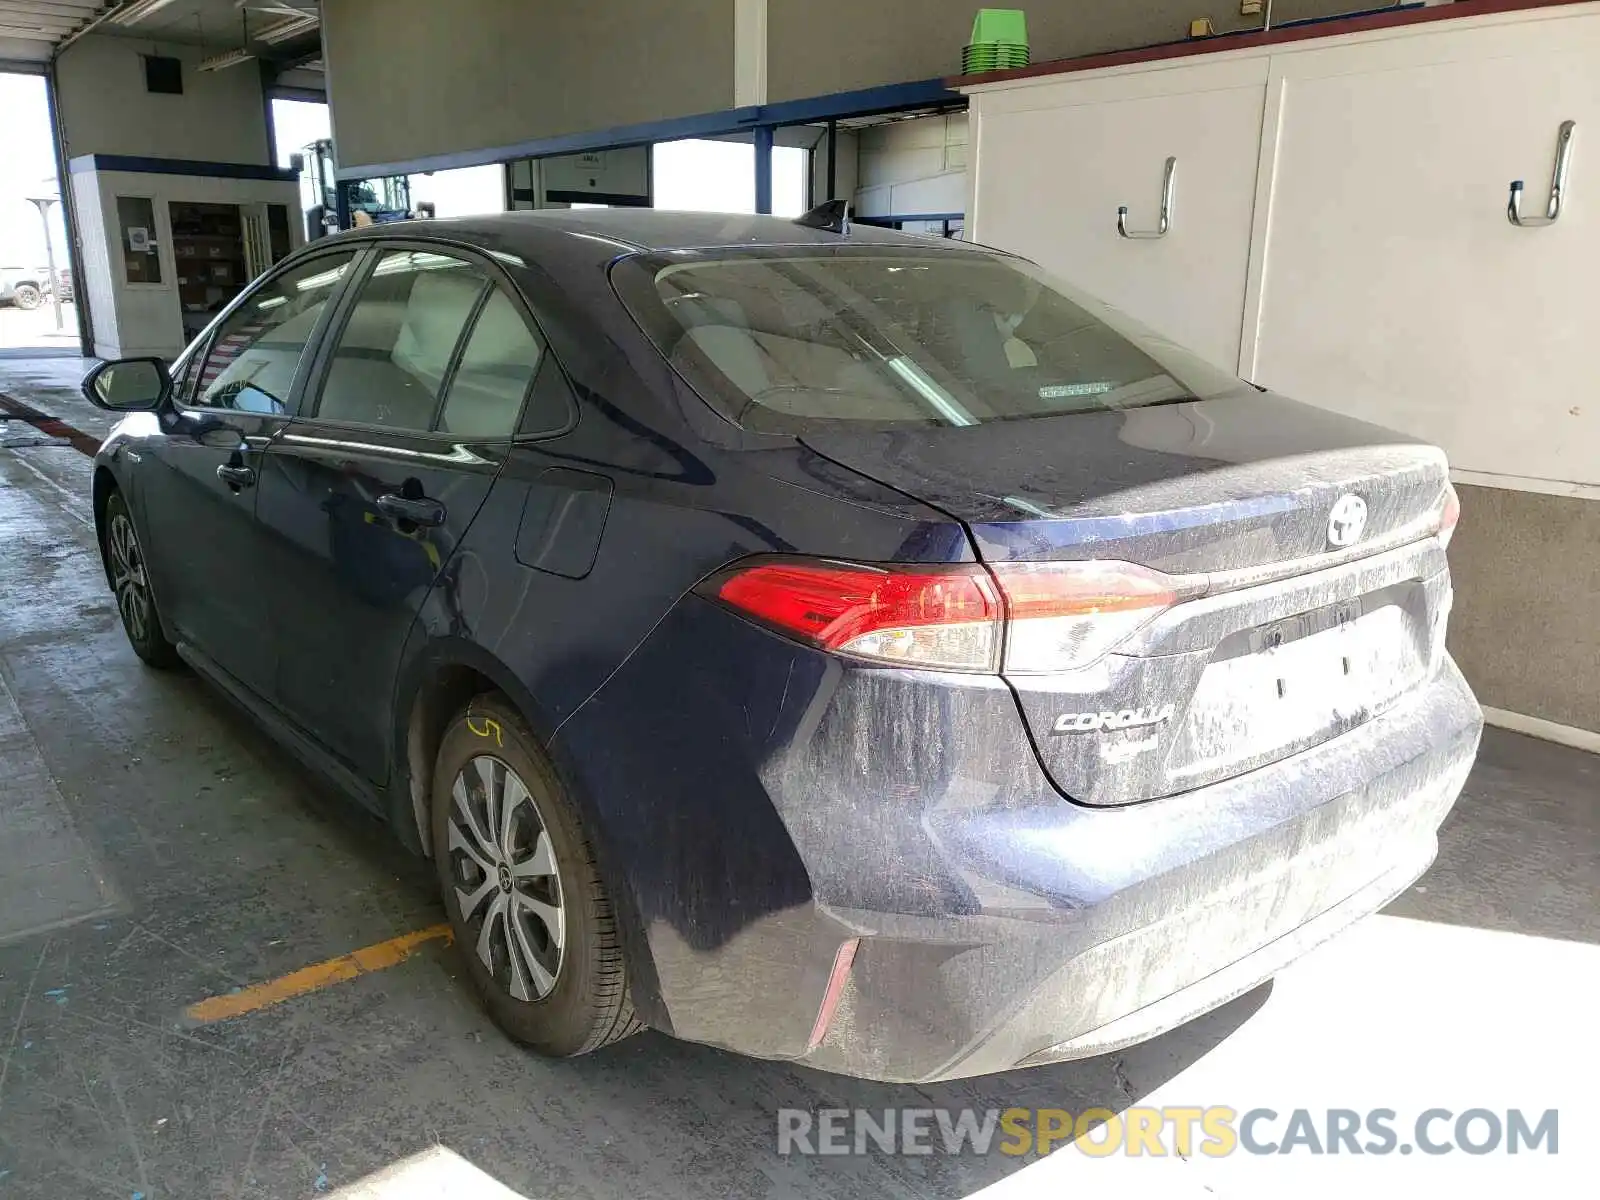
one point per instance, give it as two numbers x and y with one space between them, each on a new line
36 330
156 851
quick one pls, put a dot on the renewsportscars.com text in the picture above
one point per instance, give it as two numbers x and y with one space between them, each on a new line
1216 1131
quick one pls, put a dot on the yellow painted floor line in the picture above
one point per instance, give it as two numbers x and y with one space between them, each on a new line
317 976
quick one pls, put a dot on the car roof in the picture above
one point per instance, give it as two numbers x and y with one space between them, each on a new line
646 229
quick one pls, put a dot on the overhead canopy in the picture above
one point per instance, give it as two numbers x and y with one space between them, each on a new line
410 80
30 30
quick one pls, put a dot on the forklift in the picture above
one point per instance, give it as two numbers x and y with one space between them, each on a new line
334 206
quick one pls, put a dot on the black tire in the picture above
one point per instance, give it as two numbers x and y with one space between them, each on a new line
589 1005
27 297
130 585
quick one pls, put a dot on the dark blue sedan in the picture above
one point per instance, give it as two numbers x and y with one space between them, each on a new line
830 644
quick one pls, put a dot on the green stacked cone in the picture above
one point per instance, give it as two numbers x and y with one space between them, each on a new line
999 41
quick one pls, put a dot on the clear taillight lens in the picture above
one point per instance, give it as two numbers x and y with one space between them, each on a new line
1049 617
1067 616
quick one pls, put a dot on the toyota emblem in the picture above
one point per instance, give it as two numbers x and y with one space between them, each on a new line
1348 521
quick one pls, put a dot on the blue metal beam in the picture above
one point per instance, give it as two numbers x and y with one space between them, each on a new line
896 97
180 166
764 170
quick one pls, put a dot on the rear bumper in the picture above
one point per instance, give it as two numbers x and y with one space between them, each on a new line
1282 859
751 830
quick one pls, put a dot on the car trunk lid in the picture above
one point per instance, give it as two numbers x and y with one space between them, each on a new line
1311 597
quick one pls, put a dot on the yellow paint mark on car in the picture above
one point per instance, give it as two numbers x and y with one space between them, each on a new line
316 977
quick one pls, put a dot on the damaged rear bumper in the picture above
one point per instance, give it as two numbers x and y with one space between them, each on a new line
1178 905
758 829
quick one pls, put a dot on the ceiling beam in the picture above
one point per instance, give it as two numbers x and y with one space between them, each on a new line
64 8
11 14
295 51
8 32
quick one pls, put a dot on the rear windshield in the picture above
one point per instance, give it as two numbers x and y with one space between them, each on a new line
784 339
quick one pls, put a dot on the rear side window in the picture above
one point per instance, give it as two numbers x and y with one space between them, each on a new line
497 366
785 339
251 363
395 351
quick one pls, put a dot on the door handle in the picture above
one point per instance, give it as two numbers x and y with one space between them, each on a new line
418 511
236 476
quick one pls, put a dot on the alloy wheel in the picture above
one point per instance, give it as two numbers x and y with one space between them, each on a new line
128 578
505 878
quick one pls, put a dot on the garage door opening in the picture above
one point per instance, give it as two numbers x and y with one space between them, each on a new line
38 313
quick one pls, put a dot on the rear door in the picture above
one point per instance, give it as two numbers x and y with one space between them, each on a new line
366 494
198 488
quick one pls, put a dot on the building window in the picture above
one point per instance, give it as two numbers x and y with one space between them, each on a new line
136 217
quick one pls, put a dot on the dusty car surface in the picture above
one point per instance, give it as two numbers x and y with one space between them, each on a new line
826 643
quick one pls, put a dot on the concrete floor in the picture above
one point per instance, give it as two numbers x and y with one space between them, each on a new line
36 329
155 850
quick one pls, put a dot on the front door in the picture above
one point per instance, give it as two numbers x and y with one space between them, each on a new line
366 495
239 393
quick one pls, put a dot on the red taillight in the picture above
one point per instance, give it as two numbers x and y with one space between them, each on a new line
946 618
1451 517
1051 617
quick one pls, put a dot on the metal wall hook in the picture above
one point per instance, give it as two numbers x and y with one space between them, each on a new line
1165 224
1558 185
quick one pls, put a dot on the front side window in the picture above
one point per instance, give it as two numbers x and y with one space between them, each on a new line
251 364
390 363
785 340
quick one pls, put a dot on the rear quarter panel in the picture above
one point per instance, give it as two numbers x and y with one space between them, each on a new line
680 509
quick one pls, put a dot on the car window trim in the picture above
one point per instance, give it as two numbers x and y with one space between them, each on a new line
468 329
313 341
317 368
547 362
496 277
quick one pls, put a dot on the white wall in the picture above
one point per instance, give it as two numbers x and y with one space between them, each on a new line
917 166
94 260
845 167
105 109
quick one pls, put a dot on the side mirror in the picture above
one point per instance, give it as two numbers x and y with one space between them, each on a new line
128 385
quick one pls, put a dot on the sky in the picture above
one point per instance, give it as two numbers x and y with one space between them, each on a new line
27 168
710 176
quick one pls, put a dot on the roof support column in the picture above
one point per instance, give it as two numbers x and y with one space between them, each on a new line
749 53
764 169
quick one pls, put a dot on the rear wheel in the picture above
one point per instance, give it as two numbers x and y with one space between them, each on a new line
130 581
27 297
533 923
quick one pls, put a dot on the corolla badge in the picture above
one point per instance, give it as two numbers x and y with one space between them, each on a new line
1348 521
1128 718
